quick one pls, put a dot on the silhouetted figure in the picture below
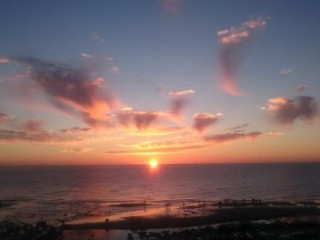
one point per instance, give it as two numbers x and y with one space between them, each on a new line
106 222
130 237
144 205
220 204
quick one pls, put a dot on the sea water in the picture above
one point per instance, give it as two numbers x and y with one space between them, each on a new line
76 192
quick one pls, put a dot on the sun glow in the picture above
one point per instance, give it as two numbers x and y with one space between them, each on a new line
153 163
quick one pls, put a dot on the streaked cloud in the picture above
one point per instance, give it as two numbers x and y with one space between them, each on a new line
302 87
239 128
232 42
285 71
181 93
203 120
228 137
285 111
87 55
36 137
78 150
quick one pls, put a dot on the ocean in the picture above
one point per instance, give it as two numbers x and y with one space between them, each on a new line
93 192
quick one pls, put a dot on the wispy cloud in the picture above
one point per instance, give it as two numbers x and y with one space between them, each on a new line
171 7
228 137
115 70
87 55
240 128
285 111
285 71
167 150
78 150
72 90
203 120
181 93
302 87
96 37
232 42
36 137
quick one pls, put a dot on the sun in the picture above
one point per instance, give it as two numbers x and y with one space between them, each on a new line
153 163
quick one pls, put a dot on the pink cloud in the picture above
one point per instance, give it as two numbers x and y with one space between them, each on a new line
302 88
203 120
181 93
115 70
33 125
172 7
5 118
72 90
4 60
141 120
285 111
87 55
285 71
231 53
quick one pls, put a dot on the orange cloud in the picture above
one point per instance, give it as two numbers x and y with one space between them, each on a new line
232 43
72 90
4 60
203 120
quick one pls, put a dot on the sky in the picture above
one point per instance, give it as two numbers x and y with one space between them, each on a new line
183 81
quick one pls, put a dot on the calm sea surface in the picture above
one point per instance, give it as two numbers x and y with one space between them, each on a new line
84 191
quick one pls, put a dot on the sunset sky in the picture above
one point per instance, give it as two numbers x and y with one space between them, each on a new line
182 81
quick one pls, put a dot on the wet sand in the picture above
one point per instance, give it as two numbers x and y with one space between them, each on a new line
217 216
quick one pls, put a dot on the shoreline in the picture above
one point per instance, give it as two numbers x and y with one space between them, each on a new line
223 215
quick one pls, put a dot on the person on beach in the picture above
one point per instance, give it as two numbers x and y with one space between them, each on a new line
106 221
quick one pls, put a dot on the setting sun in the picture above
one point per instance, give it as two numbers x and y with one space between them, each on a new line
153 163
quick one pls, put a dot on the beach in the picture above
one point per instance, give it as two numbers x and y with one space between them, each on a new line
207 219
